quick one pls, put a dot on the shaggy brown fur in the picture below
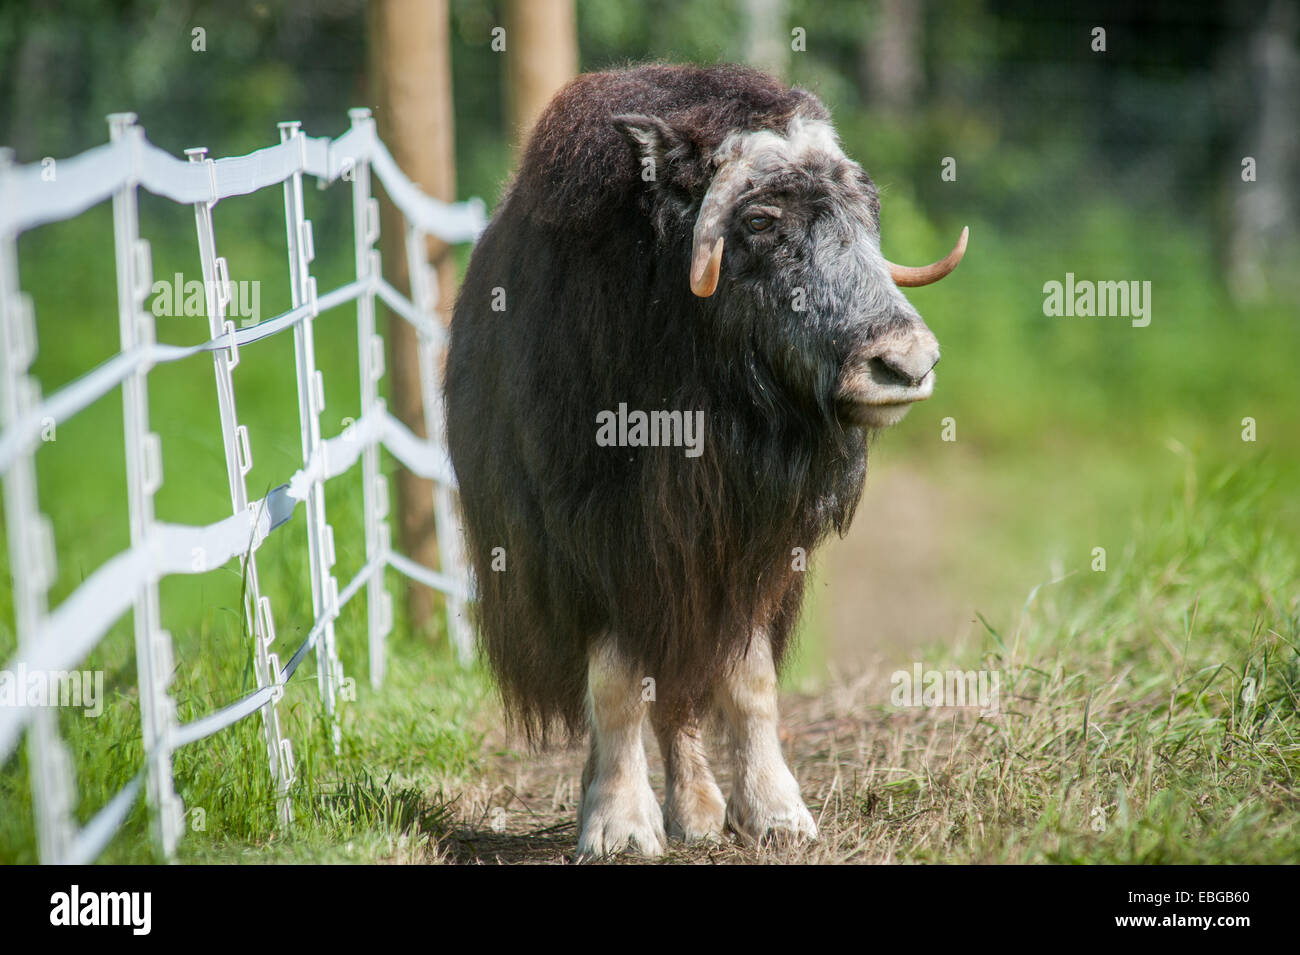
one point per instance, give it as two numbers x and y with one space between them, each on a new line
681 559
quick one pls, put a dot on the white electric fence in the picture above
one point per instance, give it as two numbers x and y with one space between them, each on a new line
56 641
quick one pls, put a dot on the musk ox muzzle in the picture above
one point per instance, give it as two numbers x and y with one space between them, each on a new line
881 382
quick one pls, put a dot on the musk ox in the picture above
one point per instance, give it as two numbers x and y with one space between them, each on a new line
691 244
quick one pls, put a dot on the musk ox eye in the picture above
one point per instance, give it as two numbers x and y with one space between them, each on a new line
760 223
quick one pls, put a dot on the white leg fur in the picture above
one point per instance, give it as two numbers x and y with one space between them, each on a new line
694 810
765 800
618 810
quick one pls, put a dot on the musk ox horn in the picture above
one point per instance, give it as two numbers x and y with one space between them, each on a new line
911 277
706 265
706 249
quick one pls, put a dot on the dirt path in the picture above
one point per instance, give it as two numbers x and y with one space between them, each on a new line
888 586
861 772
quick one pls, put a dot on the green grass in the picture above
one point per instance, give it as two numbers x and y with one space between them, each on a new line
1151 711
398 746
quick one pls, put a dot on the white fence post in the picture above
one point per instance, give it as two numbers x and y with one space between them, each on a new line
30 535
311 402
424 295
239 461
153 646
370 351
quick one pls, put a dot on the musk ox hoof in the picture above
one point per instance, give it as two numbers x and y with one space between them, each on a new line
618 819
770 811
696 815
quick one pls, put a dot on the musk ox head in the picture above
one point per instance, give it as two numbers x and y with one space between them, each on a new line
789 227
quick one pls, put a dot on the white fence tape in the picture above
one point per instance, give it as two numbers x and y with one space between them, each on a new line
27 199
58 640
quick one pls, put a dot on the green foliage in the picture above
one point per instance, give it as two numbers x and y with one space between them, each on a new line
1154 708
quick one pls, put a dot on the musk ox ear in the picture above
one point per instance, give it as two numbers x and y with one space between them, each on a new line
656 145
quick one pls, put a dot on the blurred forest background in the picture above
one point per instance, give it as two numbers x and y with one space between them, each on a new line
1047 439
1041 123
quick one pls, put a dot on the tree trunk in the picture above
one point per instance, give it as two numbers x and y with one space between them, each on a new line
410 76
767 41
541 56
1263 233
890 68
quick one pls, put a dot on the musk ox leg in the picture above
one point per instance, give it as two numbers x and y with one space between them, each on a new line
618 810
765 801
694 810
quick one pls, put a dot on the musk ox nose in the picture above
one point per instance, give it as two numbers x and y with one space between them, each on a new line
907 367
883 378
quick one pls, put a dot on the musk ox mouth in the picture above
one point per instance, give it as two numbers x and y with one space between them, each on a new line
875 395
874 417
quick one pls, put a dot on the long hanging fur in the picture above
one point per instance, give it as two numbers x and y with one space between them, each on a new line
679 558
